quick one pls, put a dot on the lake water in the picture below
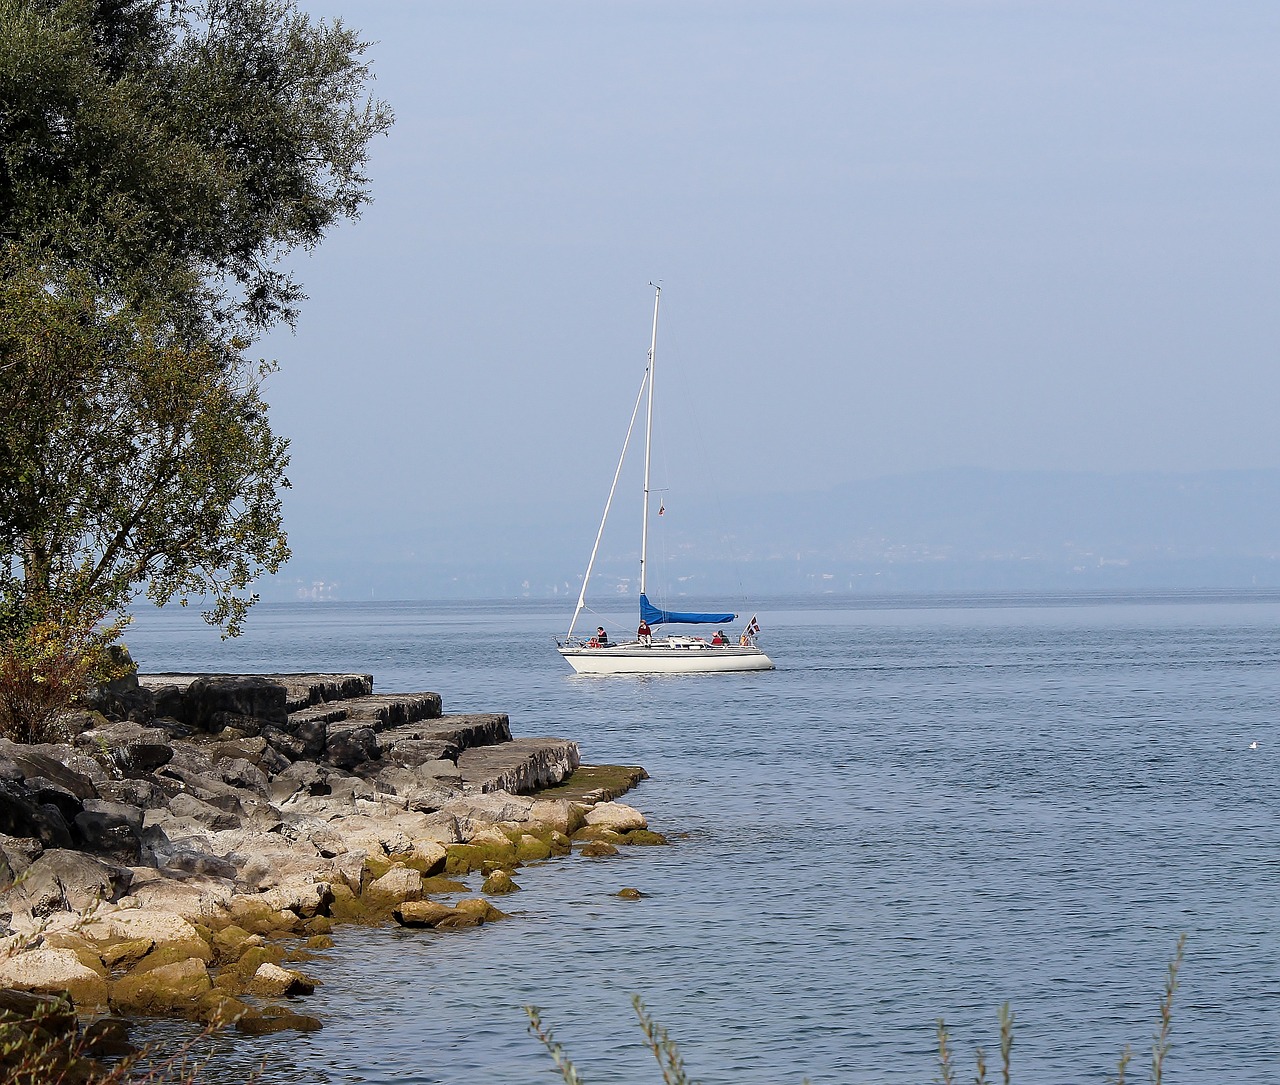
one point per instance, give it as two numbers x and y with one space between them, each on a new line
931 807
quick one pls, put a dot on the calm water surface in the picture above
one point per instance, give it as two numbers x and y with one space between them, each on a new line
931 807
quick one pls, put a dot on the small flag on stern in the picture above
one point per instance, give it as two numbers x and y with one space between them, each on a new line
753 626
662 509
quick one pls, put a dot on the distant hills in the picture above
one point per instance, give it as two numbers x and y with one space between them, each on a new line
959 529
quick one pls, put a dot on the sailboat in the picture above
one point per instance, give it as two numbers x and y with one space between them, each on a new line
650 653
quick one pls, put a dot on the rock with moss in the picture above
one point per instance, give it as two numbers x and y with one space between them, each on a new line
272 981
55 972
499 883
617 816
422 913
174 988
269 1019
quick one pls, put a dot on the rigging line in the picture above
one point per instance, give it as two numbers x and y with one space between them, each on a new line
582 595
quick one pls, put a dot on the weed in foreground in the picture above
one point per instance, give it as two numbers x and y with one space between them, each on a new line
670 1062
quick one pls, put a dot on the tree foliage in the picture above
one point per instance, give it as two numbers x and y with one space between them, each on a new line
181 149
159 159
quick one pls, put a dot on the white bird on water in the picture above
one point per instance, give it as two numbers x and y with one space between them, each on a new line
1253 745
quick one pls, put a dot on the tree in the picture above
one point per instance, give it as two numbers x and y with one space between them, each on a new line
158 161
132 453
181 149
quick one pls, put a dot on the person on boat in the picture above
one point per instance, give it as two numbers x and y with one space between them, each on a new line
744 640
644 634
601 638
719 638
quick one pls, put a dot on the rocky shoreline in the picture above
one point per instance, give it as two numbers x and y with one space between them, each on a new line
198 836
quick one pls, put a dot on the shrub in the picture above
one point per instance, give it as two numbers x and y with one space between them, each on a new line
52 652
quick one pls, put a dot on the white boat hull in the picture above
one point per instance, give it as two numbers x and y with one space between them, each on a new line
675 656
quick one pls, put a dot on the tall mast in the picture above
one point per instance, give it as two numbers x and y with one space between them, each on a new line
648 441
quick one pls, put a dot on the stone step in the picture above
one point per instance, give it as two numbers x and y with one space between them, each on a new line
519 766
377 711
317 689
300 690
461 732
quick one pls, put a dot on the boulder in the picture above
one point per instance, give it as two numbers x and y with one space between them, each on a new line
499 882
134 750
349 747
302 777
396 886
303 895
165 929
421 913
271 1019
616 816
191 896
132 791
124 955
46 763
272 981
52 972
202 813
474 811
313 834
561 815
211 703
411 752
111 828
519 766
22 816
426 800
62 880
241 773
49 793
167 988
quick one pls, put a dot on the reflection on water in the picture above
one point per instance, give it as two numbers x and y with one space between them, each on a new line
923 812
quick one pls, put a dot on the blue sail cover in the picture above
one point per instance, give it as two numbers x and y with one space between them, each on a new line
651 614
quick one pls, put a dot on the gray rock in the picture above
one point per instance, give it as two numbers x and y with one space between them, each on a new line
519 766
168 701
132 749
202 813
22 816
286 745
314 736
237 772
430 798
111 828
48 763
346 789
189 855
300 777
210 702
350 747
312 832
211 788
133 791
47 792
409 752
62 880
17 853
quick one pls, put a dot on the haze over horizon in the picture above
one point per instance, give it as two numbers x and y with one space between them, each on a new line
894 238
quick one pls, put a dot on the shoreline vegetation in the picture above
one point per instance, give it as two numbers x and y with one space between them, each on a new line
197 838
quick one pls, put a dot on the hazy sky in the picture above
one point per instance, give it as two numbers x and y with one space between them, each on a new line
892 236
